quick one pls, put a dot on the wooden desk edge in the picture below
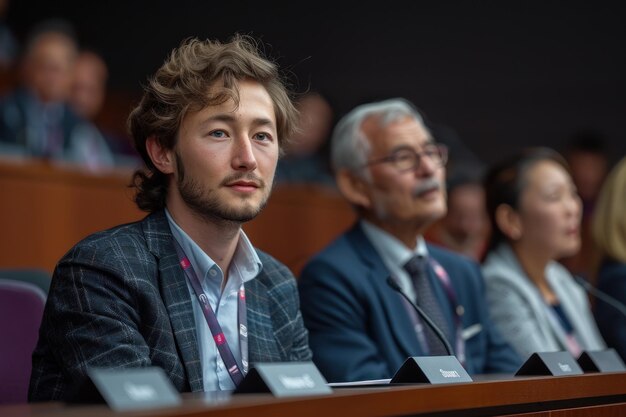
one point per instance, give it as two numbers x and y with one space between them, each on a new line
517 395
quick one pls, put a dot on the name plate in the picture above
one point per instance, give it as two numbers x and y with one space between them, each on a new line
128 389
550 363
431 370
284 379
601 361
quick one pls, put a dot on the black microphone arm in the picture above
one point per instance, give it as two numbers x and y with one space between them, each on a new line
442 338
601 295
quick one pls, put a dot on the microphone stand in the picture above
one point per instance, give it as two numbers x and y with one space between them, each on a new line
601 295
442 338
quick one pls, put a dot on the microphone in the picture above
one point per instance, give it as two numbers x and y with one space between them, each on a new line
442 338
601 295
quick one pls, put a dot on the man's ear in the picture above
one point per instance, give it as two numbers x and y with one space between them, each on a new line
161 157
354 188
509 222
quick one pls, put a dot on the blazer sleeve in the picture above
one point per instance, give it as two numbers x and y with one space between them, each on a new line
91 319
279 314
487 352
299 349
337 321
515 319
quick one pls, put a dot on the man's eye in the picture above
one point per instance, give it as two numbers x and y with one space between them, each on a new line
403 156
263 137
218 133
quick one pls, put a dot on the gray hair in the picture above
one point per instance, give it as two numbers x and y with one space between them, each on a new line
349 147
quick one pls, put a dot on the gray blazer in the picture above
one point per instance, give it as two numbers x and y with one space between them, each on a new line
523 318
119 299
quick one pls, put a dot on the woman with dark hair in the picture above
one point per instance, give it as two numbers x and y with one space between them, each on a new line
535 212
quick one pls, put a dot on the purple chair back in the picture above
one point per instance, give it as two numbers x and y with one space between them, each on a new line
21 310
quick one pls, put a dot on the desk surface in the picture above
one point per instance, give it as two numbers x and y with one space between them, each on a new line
590 394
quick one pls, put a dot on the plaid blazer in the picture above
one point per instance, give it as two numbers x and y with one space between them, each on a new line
119 299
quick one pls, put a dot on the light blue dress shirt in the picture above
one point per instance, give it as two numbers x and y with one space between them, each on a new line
245 266
395 254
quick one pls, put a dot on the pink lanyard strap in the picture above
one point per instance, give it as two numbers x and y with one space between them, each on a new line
216 330
442 274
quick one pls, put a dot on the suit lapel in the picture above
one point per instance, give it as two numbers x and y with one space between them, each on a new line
393 304
175 293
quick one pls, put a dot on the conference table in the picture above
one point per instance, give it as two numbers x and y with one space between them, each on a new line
593 394
47 208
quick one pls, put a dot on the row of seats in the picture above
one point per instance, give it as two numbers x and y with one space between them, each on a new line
23 295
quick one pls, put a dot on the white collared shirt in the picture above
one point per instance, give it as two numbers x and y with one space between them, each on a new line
395 254
244 266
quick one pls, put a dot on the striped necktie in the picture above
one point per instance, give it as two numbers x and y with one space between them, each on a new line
417 268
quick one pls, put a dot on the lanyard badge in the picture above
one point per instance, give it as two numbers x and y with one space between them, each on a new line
235 372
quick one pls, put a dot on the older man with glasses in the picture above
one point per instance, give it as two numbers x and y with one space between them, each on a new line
390 168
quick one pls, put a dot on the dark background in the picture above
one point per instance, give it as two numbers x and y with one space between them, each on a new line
503 74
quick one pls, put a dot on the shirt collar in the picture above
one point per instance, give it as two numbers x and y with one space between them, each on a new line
390 247
245 258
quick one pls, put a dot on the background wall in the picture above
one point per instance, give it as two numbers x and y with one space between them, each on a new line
503 74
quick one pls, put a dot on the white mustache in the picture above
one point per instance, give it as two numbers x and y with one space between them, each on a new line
426 185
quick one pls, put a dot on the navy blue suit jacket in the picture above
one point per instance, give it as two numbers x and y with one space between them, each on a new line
359 327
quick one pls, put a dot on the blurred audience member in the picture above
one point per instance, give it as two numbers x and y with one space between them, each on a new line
305 160
465 227
609 232
35 120
463 160
535 213
588 160
8 43
87 98
89 85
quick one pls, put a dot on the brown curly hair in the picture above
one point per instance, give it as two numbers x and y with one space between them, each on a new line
182 86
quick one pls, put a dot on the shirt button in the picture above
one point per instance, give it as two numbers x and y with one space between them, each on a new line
213 272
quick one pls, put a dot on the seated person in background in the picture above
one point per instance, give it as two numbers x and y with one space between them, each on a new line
392 171
35 120
8 42
209 128
305 158
587 156
88 93
465 227
609 232
535 213
88 85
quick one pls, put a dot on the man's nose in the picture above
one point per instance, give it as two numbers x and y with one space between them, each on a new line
243 155
427 166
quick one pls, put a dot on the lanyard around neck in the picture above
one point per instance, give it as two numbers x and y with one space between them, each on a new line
224 350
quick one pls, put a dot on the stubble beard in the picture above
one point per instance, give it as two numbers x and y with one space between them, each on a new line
206 202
